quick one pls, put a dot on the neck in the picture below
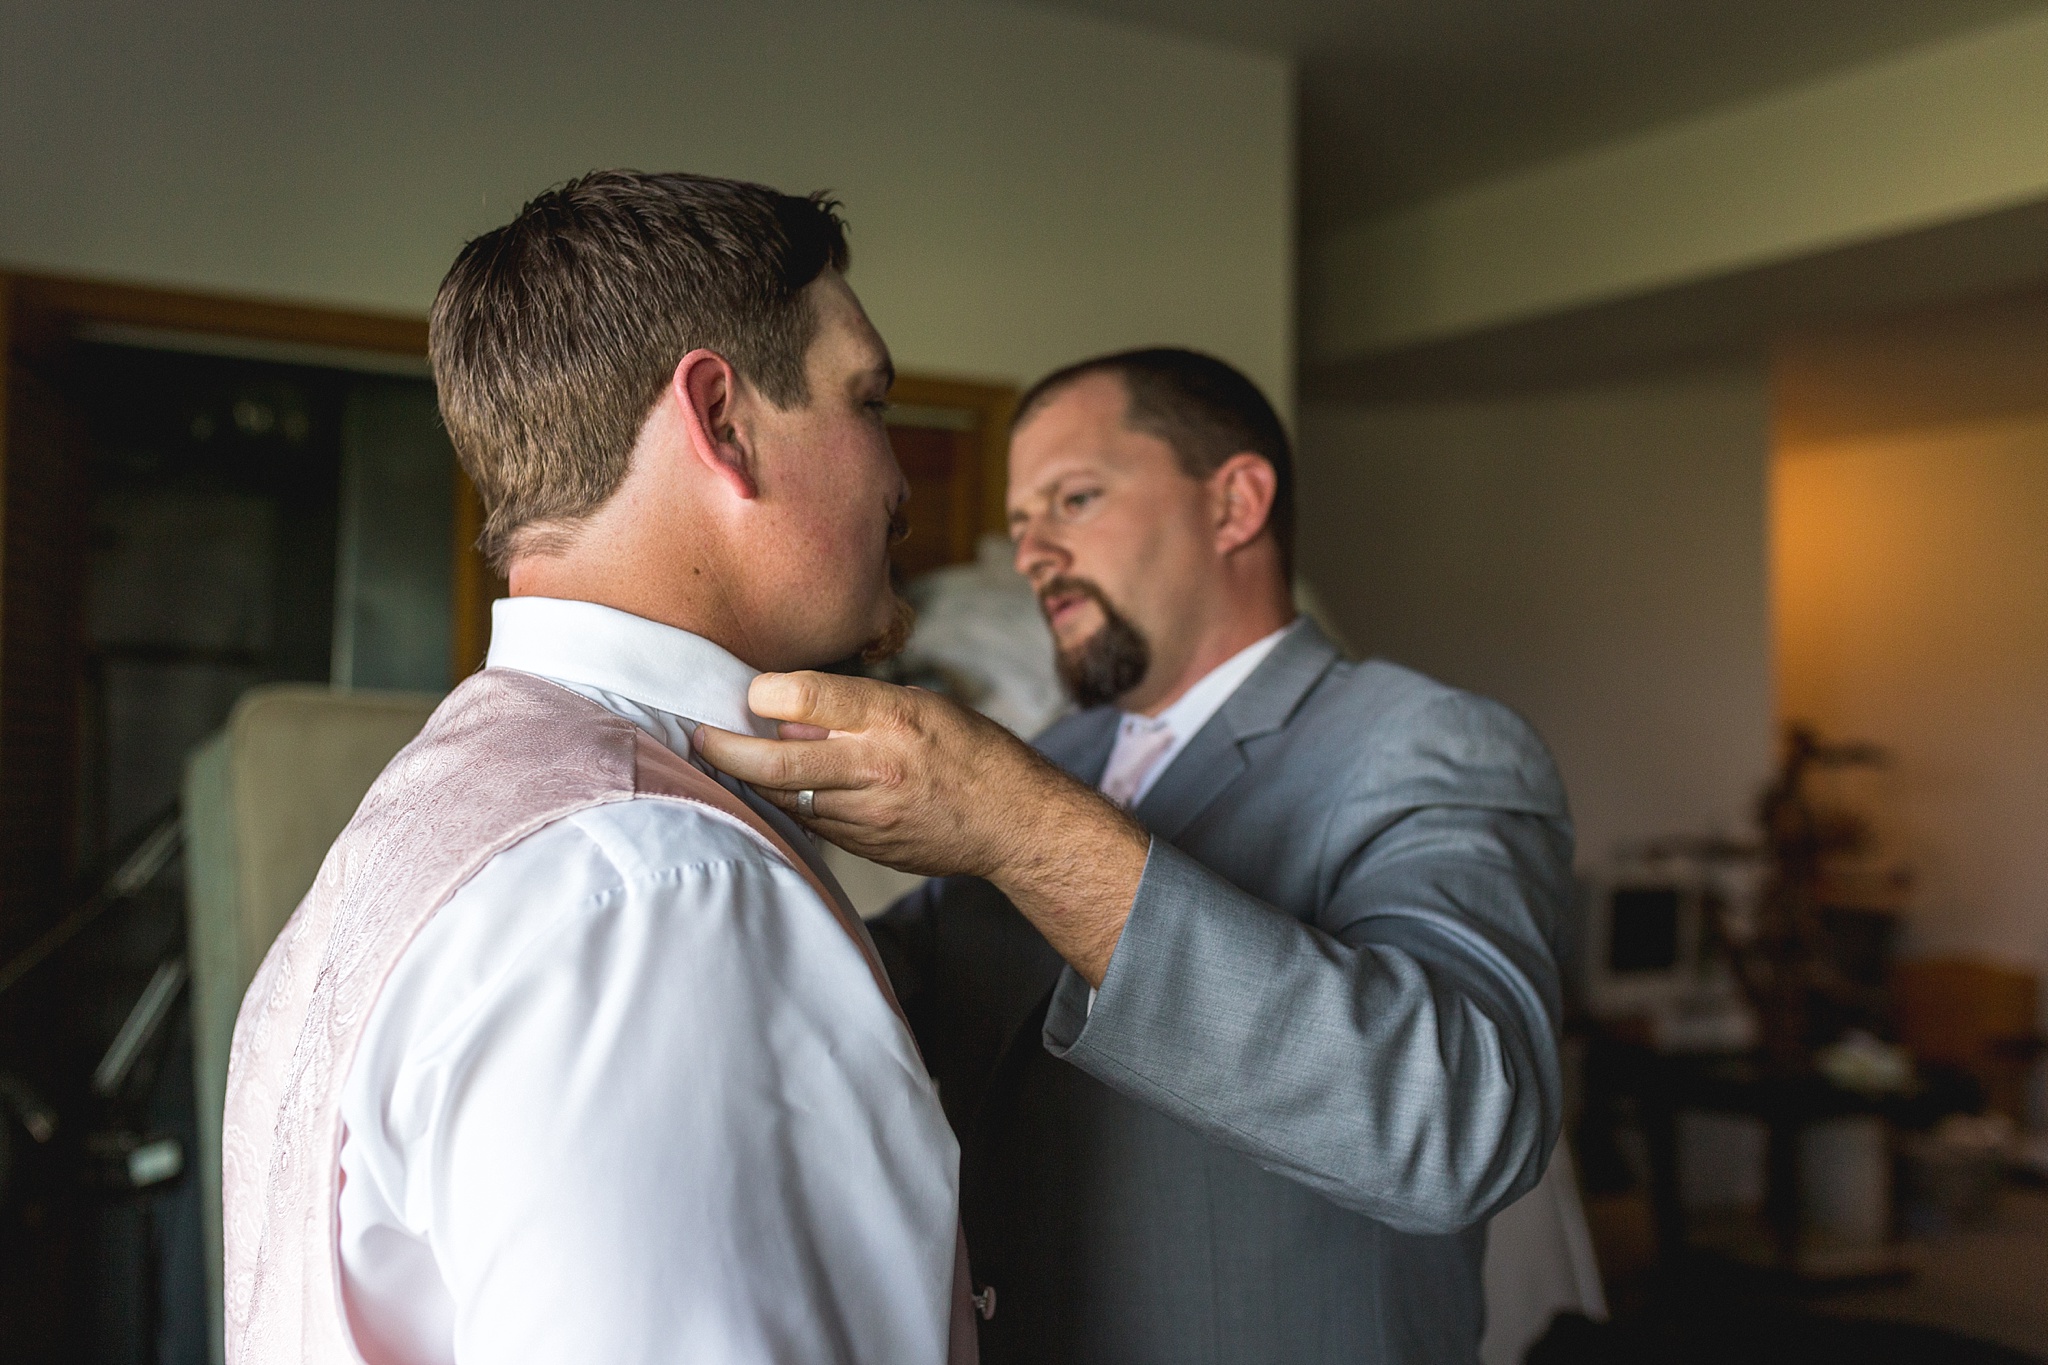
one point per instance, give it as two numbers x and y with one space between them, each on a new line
671 590
1214 648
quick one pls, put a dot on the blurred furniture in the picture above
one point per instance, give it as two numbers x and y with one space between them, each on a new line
1978 1017
1794 1111
264 797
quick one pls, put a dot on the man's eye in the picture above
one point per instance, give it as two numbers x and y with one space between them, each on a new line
1075 502
878 406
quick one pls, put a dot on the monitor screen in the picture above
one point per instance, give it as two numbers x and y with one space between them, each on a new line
1643 925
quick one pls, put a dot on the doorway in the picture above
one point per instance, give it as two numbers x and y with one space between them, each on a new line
200 496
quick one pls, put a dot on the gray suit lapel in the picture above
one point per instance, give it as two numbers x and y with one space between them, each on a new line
1213 759
1198 774
1081 743
1210 762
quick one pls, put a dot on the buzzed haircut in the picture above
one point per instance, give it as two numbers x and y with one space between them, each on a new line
1205 408
553 336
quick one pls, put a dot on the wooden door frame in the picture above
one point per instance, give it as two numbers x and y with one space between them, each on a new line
40 313
992 406
40 316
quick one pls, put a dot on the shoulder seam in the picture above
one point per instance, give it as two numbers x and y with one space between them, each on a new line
561 921
701 808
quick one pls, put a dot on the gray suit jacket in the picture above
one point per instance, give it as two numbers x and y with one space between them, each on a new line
1323 1055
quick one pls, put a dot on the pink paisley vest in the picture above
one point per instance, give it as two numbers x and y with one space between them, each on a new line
504 755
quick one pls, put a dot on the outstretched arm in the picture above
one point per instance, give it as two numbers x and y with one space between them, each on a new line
908 779
1396 1051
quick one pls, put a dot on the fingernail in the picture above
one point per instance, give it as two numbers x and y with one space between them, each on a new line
697 738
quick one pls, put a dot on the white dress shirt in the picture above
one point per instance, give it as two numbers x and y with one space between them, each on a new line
632 1094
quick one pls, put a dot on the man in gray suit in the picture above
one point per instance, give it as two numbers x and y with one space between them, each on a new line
1239 1073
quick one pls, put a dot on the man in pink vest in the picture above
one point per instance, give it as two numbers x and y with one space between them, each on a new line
574 1052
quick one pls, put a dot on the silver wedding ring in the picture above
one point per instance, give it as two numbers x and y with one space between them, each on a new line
807 804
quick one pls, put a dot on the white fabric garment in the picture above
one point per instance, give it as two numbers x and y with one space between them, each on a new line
632 1095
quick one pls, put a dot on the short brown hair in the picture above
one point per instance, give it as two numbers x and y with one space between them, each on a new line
553 336
1205 408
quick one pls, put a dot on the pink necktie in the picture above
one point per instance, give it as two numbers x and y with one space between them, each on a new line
1132 761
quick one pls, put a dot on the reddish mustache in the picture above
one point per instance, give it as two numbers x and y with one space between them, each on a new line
1070 587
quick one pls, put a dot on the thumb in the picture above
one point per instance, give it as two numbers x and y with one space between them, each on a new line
827 701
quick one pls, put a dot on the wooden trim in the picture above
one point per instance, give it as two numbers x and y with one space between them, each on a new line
49 306
992 405
47 309
39 312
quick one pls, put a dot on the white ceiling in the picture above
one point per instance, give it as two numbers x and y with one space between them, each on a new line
1402 99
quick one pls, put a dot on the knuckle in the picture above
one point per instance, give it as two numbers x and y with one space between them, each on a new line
915 723
809 693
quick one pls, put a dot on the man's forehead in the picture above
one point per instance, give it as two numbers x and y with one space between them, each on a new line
847 328
1078 428
875 357
1098 398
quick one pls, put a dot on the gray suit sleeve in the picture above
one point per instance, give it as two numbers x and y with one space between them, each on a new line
1392 1047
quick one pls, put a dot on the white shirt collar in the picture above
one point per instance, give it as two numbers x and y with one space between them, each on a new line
602 649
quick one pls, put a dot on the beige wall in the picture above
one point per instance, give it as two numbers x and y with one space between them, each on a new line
1595 559
1939 133
1024 186
1911 577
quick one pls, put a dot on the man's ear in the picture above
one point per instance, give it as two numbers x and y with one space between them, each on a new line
1241 492
707 392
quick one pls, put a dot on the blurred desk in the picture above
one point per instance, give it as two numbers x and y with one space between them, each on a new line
1662 1086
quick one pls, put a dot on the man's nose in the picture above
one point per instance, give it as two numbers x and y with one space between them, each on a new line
1037 556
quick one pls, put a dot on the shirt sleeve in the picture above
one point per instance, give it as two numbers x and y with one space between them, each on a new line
674 1121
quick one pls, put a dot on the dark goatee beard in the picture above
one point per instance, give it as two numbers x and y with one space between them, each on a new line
1108 663
890 643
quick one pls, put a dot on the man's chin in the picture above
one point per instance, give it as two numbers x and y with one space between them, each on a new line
1105 665
894 636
